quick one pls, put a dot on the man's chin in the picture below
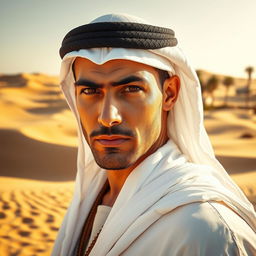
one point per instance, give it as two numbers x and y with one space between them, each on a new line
114 158
113 162
112 166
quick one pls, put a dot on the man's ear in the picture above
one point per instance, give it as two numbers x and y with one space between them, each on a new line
171 89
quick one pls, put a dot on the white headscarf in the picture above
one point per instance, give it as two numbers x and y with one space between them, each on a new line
185 128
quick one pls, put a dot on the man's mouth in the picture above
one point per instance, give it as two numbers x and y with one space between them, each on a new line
111 140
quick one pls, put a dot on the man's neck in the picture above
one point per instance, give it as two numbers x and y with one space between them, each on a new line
117 178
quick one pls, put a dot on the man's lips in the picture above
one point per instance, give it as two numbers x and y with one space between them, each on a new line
111 140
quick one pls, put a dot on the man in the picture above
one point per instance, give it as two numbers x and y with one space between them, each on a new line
147 182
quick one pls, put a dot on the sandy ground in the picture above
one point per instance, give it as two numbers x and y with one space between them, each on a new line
30 216
38 158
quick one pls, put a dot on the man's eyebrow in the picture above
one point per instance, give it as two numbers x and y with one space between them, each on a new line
86 82
126 80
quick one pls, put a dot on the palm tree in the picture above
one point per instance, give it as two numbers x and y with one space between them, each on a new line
227 81
249 70
211 86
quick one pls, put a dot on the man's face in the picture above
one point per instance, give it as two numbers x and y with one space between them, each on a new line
120 108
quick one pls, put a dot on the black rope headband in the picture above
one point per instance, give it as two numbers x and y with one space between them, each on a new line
118 35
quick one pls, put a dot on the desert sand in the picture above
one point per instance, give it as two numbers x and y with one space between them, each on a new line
38 158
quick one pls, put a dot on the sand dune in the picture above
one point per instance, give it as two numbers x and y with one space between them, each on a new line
227 129
31 213
37 109
38 158
38 139
24 157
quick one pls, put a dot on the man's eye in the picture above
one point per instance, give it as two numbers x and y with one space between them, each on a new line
132 88
90 91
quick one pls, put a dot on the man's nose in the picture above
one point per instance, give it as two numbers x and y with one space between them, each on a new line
109 115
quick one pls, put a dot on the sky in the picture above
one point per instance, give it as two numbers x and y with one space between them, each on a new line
218 36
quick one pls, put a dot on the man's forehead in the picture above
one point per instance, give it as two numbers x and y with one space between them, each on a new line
83 65
115 72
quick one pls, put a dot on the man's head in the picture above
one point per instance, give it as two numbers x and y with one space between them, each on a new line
123 37
123 107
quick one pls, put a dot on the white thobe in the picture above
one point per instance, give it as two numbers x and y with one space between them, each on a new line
207 228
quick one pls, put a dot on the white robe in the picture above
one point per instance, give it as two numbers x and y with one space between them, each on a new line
205 228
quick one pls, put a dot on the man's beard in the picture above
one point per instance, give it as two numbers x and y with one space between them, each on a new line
112 158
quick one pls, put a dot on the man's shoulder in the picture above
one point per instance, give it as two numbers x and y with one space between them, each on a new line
200 219
188 230
200 215
202 228
206 227
212 218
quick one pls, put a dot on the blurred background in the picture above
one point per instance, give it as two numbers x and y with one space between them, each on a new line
37 130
